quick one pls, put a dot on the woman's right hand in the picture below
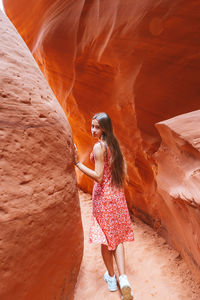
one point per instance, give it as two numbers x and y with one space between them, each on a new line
76 160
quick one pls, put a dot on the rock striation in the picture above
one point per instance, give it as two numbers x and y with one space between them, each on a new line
41 240
136 60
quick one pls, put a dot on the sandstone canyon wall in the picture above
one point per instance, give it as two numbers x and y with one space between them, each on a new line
41 239
178 182
139 62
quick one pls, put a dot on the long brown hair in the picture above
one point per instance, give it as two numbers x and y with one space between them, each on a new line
108 136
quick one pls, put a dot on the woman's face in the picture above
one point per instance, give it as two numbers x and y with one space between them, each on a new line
96 129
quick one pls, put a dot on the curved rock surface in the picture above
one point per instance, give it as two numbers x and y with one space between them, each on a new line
137 60
41 240
178 182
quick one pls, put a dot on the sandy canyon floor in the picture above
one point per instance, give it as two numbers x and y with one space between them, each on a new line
155 270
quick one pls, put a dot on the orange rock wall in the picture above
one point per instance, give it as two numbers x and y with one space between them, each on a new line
41 238
137 60
178 182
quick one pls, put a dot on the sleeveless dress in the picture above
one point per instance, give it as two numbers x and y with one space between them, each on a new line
110 222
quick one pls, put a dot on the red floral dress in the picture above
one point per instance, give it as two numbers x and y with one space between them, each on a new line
110 223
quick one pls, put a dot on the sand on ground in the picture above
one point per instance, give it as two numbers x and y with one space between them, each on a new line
155 270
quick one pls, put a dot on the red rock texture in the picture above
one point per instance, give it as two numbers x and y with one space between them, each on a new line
136 60
41 240
178 182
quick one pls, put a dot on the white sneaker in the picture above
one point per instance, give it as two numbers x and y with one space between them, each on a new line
111 281
127 293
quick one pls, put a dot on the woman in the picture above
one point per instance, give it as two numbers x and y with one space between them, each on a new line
111 224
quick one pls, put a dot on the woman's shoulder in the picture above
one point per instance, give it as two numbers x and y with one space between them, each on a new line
99 146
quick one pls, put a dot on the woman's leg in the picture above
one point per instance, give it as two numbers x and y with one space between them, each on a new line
108 259
124 284
120 258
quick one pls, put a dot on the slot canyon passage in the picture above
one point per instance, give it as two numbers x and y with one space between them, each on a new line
139 62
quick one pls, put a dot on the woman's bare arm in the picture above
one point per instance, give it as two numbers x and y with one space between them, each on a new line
96 174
